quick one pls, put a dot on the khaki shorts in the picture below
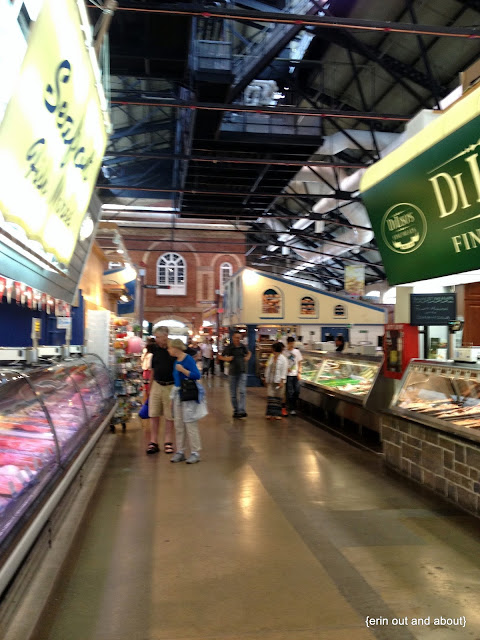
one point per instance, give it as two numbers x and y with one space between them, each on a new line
159 402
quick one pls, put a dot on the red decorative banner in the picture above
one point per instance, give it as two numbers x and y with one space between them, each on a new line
18 292
9 290
31 297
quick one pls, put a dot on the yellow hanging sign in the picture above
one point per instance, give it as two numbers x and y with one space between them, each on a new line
53 135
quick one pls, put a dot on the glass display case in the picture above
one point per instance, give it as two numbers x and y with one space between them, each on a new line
311 364
440 393
344 374
47 414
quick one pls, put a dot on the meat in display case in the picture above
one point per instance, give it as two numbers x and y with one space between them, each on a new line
47 414
441 394
346 374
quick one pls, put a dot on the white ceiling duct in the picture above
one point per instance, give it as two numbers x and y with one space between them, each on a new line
355 214
352 139
317 182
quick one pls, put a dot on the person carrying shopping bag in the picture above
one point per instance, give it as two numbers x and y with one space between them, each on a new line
275 377
186 409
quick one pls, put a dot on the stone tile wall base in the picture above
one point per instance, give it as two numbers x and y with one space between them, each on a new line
449 466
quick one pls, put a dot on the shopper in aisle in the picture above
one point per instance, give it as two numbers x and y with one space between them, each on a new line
159 401
221 348
185 367
147 356
207 355
275 377
237 355
294 360
214 352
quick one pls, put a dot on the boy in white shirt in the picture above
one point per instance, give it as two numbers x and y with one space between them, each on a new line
294 359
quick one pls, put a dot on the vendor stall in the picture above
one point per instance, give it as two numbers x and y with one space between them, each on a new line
432 430
256 300
423 202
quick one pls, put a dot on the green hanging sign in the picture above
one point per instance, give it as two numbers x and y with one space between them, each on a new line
425 208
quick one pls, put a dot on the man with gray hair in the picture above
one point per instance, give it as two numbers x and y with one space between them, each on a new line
159 402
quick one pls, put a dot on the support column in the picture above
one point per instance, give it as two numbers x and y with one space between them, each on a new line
252 378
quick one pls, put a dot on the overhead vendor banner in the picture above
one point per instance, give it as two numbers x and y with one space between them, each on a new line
53 135
423 199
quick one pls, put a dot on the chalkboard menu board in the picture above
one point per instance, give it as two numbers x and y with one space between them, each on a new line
429 309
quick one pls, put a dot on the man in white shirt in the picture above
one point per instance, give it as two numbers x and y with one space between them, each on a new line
207 355
294 359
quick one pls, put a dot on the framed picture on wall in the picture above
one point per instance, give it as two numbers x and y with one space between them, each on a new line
308 307
272 303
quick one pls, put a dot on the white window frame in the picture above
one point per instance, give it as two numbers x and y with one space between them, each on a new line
230 274
175 261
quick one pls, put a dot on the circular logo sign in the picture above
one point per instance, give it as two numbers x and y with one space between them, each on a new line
404 228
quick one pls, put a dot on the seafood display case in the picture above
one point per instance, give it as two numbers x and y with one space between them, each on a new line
440 394
345 386
47 415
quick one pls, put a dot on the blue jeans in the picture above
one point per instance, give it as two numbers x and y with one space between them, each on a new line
238 392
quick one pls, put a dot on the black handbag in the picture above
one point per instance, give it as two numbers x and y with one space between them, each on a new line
188 390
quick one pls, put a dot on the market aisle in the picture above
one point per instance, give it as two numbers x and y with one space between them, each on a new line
283 531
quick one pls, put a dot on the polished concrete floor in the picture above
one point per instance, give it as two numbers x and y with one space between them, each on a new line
283 531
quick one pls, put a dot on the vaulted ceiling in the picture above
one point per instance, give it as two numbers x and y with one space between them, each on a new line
201 133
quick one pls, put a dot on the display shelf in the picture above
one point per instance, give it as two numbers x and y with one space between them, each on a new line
441 395
47 414
128 384
127 374
262 353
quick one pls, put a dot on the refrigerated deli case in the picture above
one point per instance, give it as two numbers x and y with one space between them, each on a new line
48 414
442 395
344 386
431 431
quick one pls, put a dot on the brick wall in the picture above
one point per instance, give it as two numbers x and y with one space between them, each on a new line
447 464
204 252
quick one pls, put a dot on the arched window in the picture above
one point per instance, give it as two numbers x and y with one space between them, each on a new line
226 272
172 272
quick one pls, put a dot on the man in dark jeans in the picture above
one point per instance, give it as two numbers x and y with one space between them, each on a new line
294 359
237 355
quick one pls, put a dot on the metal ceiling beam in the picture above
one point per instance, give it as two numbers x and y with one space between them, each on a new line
437 91
389 63
471 4
432 43
234 160
141 128
110 215
286 110
355 24
339 195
